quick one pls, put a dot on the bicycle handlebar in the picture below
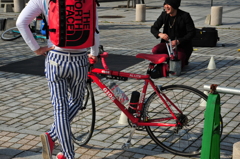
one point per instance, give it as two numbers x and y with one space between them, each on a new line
102 55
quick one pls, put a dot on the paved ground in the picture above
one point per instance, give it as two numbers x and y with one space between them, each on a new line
26 112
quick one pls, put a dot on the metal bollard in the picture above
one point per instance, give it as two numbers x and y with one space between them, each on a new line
221 89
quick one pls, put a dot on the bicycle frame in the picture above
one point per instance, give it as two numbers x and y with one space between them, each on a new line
33 32
135 120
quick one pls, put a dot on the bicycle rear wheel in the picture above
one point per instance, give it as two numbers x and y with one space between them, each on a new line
187 139
82 125
11 34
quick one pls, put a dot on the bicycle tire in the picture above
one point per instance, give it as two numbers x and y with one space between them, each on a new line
82 125
11 34
184 141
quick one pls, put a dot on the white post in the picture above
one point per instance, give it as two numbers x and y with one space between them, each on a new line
141 12
236 150
216 15
18 5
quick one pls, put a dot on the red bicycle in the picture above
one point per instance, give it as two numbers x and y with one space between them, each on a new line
171 114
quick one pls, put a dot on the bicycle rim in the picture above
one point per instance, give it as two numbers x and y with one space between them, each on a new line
11 34
83 123
185 140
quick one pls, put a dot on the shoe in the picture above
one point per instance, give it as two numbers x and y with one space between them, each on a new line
47 146
60 156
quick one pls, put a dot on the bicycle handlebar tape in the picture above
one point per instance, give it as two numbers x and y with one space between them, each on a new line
134 102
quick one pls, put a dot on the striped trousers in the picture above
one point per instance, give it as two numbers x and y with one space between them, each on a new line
67 75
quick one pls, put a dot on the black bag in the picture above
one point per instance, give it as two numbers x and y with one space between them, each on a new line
160 70
205 37
2 24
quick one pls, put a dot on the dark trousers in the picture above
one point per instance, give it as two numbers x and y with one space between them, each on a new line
162 49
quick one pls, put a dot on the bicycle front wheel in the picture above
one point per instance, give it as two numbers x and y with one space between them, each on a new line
184 140
11 34
82 125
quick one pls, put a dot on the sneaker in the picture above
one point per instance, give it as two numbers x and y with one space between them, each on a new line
47 146
60 156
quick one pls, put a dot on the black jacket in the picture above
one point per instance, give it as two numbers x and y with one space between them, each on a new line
184 28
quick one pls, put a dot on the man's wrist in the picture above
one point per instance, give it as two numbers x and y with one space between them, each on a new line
159 35
178 42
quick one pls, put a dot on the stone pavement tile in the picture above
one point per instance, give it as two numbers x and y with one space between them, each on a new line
101 154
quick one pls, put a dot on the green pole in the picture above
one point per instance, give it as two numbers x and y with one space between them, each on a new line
211 131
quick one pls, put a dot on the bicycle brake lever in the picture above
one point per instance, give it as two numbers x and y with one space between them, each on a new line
101 50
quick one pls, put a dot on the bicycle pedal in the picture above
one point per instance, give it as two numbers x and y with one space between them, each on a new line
126 146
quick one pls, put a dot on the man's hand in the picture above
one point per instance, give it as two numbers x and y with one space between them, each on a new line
175 43
163 36
95 58
43 50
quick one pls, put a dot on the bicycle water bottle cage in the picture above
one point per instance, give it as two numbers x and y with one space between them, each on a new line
154 58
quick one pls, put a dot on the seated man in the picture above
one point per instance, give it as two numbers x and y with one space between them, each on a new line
178 26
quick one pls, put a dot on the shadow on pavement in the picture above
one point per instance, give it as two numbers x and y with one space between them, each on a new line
35 65
9 153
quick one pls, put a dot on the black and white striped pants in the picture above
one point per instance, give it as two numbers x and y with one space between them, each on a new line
66 74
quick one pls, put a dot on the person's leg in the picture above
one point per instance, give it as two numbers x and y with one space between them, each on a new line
188 55
57 74
160 49
181 56
77 85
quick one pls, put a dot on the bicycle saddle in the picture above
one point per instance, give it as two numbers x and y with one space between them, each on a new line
154 58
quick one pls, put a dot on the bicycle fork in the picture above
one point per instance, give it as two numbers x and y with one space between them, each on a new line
127 145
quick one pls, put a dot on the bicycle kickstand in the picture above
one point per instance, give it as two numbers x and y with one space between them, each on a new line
127 145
